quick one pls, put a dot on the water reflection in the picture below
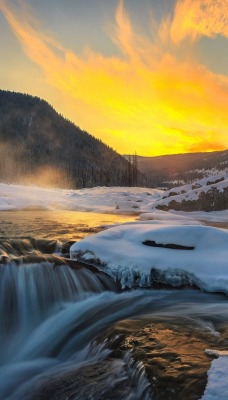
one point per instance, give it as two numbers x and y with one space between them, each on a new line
59 225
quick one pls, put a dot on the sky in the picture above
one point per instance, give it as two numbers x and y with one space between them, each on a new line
144 76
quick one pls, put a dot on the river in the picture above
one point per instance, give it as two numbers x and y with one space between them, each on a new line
68 331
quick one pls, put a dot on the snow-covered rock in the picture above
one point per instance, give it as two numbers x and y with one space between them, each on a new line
169 252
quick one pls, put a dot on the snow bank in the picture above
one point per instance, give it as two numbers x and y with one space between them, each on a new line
116 200
212 216
179 253
160 215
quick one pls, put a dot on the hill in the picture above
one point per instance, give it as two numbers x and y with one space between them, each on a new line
172 170
38 145
207 194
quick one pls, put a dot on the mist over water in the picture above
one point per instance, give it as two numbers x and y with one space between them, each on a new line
14 169
69 331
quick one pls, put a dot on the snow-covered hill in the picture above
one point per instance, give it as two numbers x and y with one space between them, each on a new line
176 169
208 194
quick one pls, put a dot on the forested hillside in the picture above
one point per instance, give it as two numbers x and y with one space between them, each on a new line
175 169
37 145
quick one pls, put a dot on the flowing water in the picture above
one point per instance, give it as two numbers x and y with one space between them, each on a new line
68 331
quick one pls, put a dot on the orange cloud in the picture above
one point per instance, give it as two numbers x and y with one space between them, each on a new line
131 101
210 141
210 146
199 17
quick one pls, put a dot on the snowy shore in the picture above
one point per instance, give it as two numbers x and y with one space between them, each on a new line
112 200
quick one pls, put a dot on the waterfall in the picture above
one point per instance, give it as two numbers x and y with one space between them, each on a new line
49 318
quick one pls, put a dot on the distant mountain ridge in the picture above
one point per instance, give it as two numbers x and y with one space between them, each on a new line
38 145
175 169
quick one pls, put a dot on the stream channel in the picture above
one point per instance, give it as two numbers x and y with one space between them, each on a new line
69 332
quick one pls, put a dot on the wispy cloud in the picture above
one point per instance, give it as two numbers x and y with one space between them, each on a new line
139 94
193 18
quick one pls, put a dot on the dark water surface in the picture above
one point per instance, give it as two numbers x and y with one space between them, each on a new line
68 332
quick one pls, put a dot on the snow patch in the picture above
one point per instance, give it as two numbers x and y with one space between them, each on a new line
217 387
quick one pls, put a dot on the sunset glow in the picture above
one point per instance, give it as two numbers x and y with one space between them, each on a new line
153 95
